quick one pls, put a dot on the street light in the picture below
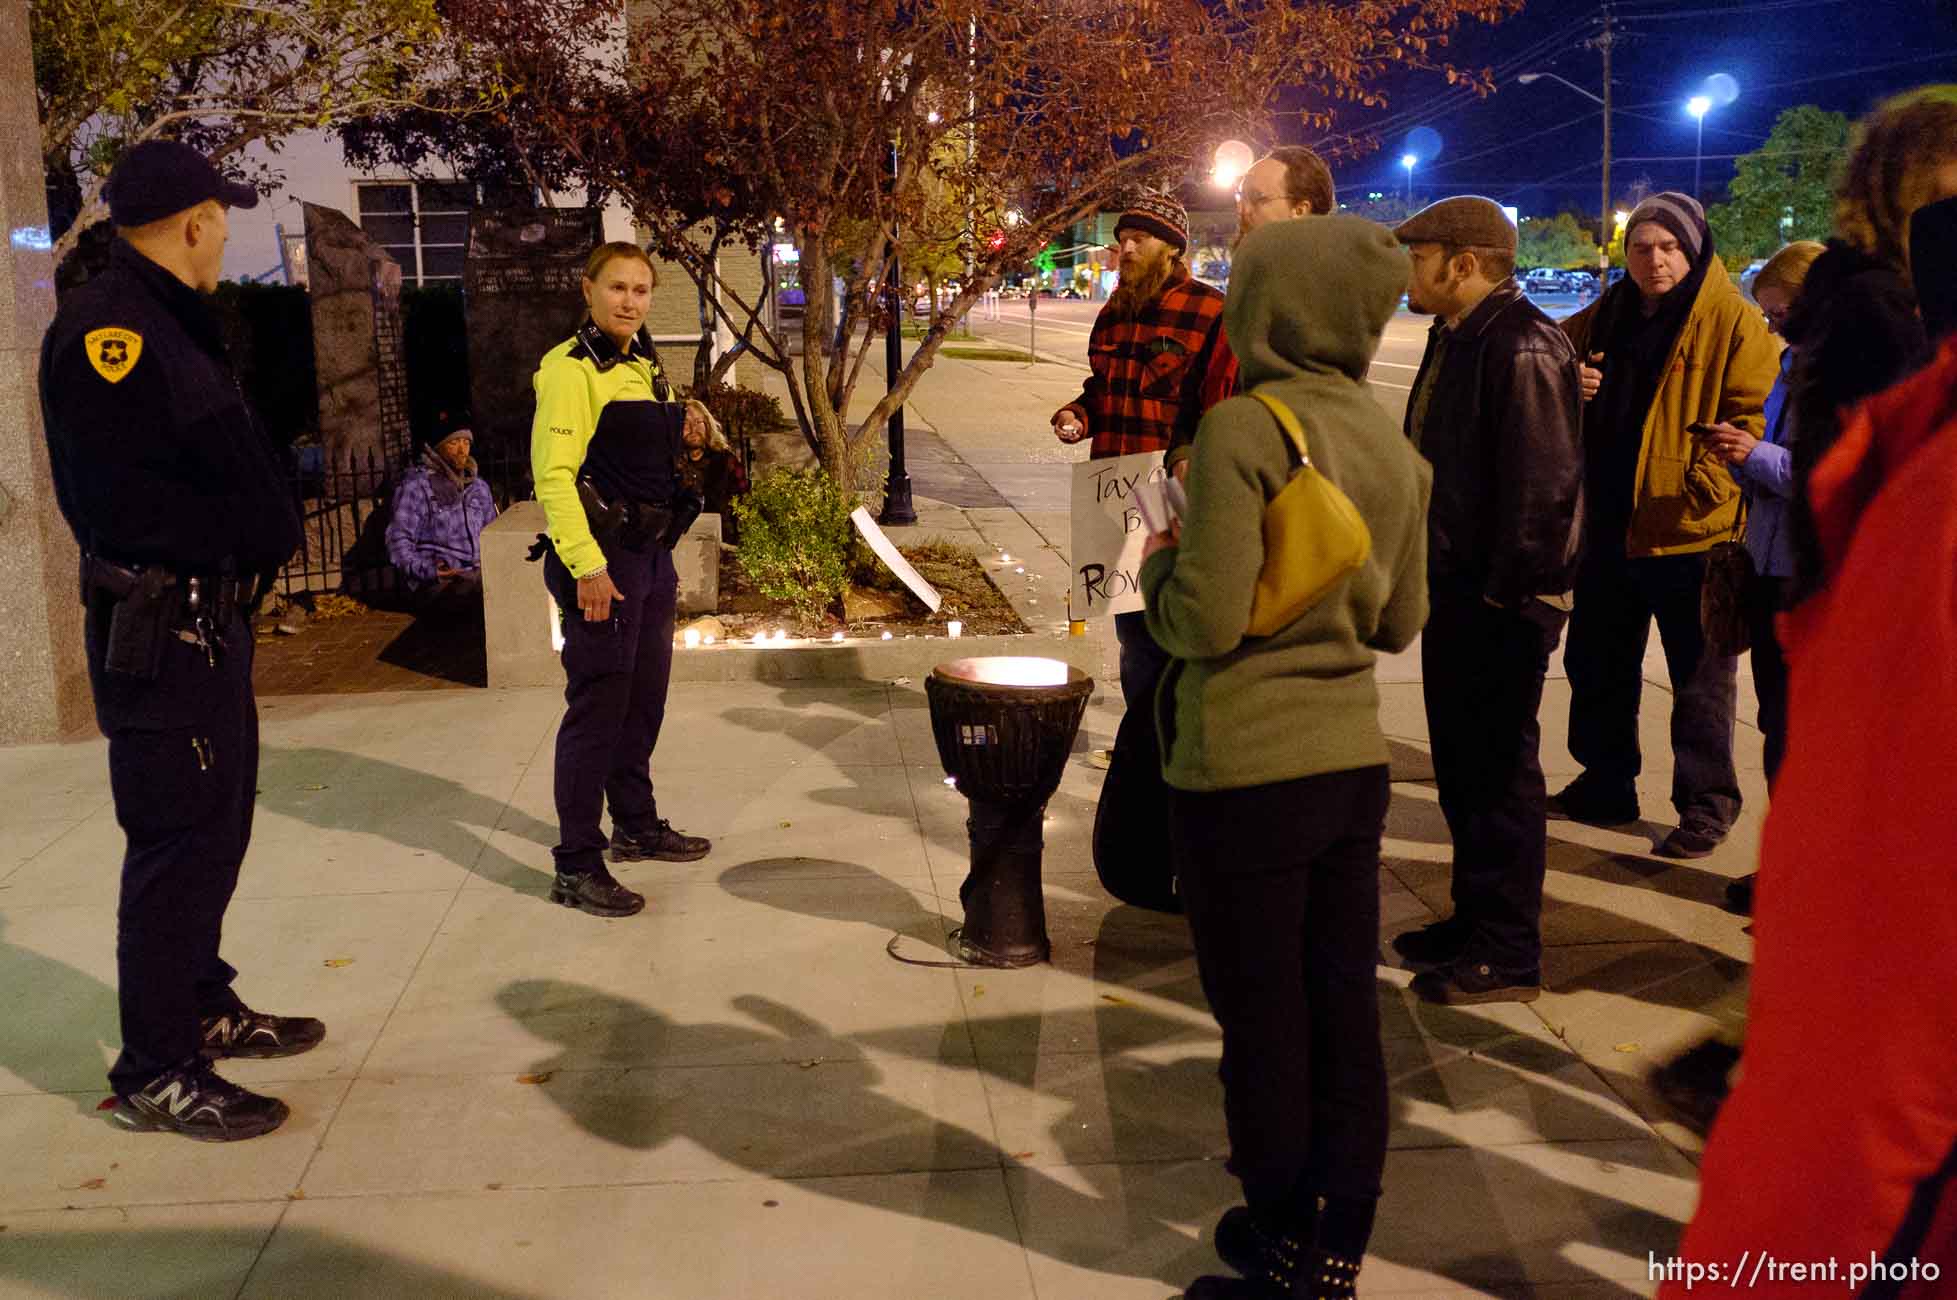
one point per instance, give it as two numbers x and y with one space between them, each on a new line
1527 78
1407 161
1698 106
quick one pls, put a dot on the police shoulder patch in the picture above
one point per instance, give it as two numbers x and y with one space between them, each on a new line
113 351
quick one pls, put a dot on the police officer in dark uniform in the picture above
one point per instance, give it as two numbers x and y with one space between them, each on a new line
175 494
605 452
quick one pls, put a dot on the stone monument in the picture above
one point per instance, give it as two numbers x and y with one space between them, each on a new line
355 288
41 655
520 290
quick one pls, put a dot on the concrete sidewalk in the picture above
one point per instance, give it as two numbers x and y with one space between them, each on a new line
763 1086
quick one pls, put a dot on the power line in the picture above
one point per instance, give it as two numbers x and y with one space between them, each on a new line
1729 11
1507 145
1942 56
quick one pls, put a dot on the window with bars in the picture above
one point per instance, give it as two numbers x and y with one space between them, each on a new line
424 225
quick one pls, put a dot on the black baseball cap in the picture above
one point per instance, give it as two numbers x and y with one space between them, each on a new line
161 177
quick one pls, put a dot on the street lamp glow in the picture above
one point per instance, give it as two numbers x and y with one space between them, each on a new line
1229 163
1407 161
1623 218
1698 106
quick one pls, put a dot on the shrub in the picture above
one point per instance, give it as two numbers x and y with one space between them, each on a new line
795 539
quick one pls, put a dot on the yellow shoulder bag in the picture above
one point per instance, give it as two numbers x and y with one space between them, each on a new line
1313 537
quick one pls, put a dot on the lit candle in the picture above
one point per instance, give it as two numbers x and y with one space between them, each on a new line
955 628
1020 569
886 636
836 637
692 637
780 636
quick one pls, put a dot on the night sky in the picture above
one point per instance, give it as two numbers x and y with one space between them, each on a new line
1540 146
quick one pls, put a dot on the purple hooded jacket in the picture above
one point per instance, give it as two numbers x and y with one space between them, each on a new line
438 523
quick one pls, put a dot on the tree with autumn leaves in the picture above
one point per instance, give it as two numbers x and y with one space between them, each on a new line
838 124
218 74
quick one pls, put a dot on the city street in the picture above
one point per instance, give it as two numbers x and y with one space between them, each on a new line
1062 325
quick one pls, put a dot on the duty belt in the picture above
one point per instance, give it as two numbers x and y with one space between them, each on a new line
211 594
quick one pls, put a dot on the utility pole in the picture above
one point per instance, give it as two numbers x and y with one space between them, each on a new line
1604 42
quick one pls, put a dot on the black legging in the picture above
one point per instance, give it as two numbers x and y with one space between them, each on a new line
1281 886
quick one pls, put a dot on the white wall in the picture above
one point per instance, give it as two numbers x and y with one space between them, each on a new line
316 172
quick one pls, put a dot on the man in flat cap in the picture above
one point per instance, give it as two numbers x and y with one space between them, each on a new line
174 492
1678 349
1148 355
1497 409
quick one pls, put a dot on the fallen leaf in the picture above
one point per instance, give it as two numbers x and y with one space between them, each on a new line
771 1205
493 1187
543 1077
1109 997
978 990
313 787
296 1194
334 963
811 1063
1625 1047
900 681
107 1103
1024 1155
786 825
92 1185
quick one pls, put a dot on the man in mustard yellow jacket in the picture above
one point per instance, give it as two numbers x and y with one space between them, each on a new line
1671 346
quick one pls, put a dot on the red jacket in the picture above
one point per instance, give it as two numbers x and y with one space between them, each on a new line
1840 1138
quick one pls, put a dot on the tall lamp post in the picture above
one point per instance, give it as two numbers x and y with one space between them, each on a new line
1698 106
1407 161
1603 225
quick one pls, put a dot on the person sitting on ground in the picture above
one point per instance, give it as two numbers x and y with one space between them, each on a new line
709 466
440 510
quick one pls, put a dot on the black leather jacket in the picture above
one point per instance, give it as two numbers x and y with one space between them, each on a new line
1504 433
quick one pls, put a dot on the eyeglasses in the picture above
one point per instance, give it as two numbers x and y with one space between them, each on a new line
1249 198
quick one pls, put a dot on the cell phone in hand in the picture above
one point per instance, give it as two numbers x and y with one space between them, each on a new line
1700 429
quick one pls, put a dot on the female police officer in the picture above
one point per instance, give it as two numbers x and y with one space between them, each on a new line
604 451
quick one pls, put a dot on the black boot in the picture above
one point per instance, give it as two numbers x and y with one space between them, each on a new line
595 892
661 843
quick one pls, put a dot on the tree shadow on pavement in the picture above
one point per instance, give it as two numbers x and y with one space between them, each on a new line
289 1262
61 1028
409 807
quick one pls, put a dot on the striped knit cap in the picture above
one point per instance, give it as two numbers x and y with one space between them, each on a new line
1160 215
1678 213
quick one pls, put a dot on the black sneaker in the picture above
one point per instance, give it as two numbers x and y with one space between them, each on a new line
1467 982
1436 944
1739 894
595 892
245 1032
661 842
194 1101
1595 802
1696 1082
1693 840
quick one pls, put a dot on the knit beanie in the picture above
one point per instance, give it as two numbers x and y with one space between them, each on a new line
1160 215
1680 214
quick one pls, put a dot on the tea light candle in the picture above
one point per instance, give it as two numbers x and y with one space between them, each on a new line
954 628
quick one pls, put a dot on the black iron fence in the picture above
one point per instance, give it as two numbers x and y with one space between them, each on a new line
344 509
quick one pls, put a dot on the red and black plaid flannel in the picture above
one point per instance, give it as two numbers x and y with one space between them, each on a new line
1145 391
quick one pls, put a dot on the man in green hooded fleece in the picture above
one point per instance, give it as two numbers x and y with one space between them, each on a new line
1275 758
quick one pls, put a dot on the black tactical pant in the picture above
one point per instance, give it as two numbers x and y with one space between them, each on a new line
616 676
183 770
1482 673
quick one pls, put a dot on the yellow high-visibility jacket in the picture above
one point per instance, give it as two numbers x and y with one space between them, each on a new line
609 416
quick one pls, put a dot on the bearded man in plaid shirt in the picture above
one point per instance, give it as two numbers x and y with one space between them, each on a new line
1149 353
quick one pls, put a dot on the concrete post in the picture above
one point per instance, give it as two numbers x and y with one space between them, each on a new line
41 660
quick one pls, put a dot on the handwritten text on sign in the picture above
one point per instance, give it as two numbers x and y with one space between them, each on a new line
1108 533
